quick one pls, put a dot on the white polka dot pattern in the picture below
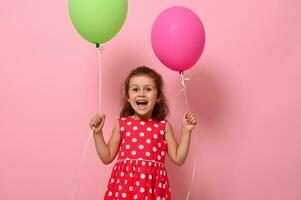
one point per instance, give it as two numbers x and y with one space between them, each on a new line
140 172
142 139
137 180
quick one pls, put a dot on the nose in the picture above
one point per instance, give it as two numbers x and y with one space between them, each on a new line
141 93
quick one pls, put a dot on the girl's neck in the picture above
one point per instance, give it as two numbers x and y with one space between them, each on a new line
140 117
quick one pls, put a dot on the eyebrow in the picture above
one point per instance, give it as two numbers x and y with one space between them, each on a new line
138 85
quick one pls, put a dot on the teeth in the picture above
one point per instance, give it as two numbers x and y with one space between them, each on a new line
141 102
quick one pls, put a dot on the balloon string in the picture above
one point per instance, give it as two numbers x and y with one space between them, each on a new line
183 79
81 164
184 89
192 178
99 58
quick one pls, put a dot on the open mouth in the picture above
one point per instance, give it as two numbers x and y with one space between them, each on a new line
141 103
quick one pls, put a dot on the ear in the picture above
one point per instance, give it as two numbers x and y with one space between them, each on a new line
158 100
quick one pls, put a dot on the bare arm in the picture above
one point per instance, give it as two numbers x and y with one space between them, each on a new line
106 152
178 152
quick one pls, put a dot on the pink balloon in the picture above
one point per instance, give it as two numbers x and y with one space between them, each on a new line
178 38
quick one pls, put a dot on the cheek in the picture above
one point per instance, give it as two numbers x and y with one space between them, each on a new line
154 97
130 99
131 95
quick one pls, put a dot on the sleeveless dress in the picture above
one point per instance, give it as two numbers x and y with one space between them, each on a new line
139 172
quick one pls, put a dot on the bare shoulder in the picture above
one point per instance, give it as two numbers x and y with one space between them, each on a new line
115 137
168 131
168 127
116 127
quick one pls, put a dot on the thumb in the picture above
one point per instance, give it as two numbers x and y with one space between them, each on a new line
103 117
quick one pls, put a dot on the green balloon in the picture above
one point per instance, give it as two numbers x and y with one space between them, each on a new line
98 20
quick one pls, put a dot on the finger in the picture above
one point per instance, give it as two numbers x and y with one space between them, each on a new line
194 122
92 124
190 118
97 122
98 117
94 121
193 118
91 121
185 115
189 121
192 115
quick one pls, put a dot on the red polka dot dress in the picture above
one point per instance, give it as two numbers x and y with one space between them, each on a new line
139 172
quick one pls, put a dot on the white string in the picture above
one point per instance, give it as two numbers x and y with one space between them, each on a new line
81 164
99 58
184 89
192 178
183 79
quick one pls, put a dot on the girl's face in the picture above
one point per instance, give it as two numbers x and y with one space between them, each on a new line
142 96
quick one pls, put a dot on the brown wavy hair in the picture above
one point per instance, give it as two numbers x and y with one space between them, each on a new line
161 109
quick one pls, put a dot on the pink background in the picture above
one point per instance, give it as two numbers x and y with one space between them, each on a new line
245 91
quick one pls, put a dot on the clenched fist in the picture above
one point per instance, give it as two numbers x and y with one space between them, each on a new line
97 122
189 121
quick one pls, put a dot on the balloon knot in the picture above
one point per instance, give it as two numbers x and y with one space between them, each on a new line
97 45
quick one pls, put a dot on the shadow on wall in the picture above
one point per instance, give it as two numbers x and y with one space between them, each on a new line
205 96
205 99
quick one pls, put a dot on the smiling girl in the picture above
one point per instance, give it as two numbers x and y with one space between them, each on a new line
142 137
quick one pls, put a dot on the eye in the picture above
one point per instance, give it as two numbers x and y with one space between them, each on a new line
134 89
148 89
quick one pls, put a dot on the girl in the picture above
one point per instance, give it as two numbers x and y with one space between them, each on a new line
142 137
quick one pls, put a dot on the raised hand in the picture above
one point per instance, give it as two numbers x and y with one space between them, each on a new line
97 122
189 121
